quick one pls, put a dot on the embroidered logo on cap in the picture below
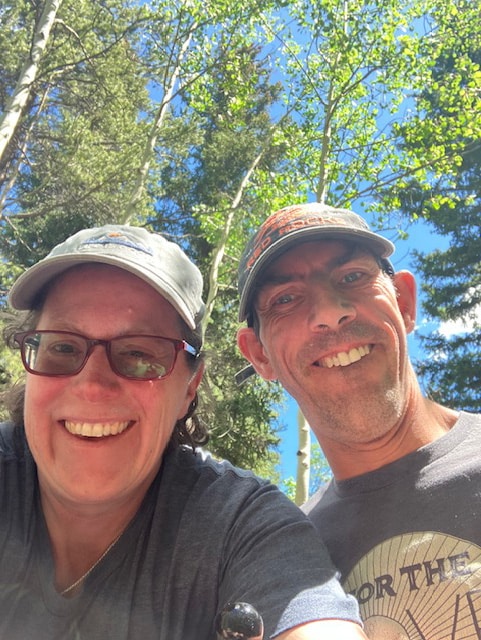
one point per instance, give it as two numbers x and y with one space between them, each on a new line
117 239
286 221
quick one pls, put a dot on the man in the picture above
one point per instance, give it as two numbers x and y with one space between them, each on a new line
112 523
328 317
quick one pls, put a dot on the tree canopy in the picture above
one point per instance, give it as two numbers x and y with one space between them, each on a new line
197 119
447 194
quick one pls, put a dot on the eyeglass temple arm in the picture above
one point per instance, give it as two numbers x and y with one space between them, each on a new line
190 349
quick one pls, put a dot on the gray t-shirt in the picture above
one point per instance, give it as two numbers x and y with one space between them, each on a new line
407 539
206 534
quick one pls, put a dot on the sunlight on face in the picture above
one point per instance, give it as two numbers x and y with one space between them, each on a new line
138 417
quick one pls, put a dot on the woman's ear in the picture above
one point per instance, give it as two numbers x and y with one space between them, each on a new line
252 349
406 298
192 386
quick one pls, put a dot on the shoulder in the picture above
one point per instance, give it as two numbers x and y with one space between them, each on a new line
18 473
325 629
250 523
473 419
212 486
12 441
200 467
321 494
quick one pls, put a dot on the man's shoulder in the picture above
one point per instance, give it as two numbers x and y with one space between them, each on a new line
314 500
470 418
429 460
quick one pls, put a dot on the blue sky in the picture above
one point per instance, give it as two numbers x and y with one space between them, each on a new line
421 238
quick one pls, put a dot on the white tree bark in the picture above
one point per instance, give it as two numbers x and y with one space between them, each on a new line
10 119
219 250
303 459
169 91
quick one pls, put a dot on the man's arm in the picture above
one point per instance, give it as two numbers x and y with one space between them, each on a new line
325 630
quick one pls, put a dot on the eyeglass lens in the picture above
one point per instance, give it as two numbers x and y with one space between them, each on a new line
63 353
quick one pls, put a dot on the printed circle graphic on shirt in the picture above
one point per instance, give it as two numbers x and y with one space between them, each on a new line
419 586
381 627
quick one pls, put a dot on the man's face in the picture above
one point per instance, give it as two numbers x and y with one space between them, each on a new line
103 302
332 330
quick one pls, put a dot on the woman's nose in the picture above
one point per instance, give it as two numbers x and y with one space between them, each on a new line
97 374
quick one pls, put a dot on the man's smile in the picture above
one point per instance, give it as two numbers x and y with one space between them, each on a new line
344 358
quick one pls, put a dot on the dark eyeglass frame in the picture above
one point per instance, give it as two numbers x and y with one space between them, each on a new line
179 345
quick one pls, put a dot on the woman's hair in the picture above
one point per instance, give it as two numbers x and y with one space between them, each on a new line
188 430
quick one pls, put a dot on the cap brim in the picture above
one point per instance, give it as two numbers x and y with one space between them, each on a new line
27 286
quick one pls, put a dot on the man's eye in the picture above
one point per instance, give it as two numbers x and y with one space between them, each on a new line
284 298
354 276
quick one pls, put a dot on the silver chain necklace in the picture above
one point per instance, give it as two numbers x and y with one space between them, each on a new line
89 571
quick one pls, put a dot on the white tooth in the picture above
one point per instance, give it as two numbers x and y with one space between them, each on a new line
97 430
121 426
354 355
344 358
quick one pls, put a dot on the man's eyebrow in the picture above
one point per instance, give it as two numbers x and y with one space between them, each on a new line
276 278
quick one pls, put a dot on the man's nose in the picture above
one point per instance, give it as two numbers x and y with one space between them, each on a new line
329 308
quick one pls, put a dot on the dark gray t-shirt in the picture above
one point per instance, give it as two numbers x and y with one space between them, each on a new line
407 539
206 534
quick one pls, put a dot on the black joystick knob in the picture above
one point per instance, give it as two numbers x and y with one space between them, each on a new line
239 621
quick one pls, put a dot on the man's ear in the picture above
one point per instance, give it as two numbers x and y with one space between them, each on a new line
406 298
252 349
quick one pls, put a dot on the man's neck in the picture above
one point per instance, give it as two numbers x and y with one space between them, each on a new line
423 422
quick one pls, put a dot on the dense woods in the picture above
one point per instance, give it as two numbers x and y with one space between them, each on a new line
197 119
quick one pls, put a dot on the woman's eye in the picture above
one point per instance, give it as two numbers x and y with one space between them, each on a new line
136 353
63 347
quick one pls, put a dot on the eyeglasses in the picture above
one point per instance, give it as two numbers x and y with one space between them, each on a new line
136 357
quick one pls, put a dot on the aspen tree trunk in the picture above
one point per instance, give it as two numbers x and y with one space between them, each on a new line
148 154
219 251
303 459
10 119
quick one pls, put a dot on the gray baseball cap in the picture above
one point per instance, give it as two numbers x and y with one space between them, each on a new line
149 256
301 223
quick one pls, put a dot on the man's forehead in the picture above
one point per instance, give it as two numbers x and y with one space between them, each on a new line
328 254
